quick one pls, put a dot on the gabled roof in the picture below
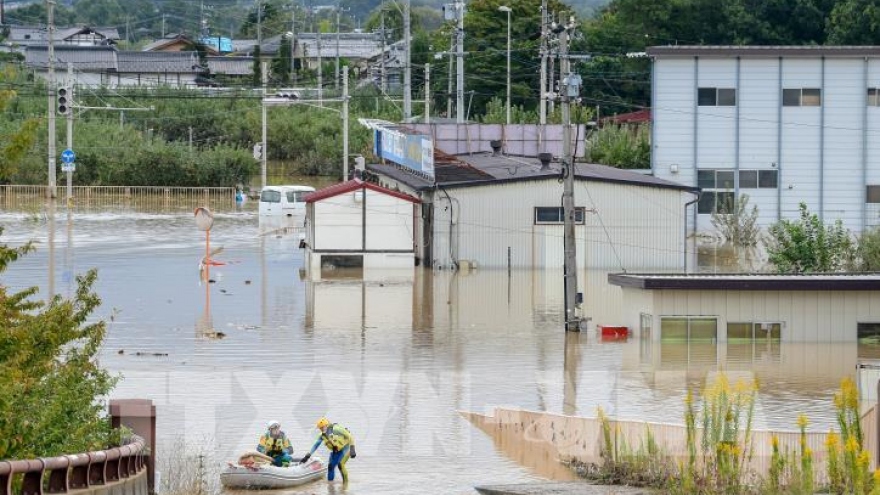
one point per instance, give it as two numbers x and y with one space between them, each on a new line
36 35
81 57
159 62
354 185
169 43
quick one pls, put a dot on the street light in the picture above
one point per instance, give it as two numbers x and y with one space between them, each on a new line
505 8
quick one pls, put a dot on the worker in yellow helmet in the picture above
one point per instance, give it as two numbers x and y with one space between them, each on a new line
340 442
275 444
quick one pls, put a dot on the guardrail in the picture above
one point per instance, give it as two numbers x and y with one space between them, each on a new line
147 198
103 472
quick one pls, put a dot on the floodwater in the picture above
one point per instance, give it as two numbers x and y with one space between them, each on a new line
393 358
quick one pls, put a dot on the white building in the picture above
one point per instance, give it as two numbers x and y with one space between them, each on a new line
360 226
751 308
783 124
488 210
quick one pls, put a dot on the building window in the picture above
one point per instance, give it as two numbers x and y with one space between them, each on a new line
873 194
717 186
873 97
716 97
688 329
554 215
802 97
751 331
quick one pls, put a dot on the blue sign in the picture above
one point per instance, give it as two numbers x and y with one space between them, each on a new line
413 151
67 156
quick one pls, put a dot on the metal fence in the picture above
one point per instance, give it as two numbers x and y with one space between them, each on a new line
120 470
133 198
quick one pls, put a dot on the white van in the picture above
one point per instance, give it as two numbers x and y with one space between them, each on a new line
284 201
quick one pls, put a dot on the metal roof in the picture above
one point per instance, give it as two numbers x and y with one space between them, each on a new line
354 185
504 168
30 35
763 51
808 282
177 62
81 57
401 174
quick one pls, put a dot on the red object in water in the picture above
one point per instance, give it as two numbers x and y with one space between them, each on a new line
607 332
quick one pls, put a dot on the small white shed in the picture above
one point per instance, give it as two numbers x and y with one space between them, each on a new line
358 225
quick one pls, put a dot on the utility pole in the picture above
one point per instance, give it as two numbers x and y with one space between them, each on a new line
345 123
569 91
70 89
260 26
293 45
383 78
320 69
427 93
542 90
51 89
459 52
263 150
407 70
451 89
336 69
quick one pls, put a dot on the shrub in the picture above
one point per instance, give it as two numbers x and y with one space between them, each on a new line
807 245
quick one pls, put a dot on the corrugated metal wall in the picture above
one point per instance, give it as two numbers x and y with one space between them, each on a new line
807 316
631 227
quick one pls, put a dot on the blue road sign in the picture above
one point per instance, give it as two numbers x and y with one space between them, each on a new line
67 156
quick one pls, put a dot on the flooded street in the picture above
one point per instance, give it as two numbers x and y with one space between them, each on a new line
393 359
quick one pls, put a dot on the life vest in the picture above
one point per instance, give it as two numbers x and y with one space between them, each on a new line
274 446
336 437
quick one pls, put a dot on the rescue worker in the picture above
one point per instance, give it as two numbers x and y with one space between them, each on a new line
274 443
340 442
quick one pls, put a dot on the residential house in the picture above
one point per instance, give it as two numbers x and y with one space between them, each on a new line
22 37
781 124
104 66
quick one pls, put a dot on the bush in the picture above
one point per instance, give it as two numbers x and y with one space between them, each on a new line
807 245
869 250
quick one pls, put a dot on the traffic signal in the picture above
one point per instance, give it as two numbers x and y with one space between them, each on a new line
64 100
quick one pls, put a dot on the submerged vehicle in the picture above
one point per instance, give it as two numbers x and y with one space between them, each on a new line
284 201
255 471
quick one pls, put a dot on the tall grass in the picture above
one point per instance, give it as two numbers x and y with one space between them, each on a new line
719 447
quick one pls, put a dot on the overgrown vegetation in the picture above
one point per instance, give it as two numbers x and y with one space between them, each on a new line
622 146
719 447
807 245
739 225
52 400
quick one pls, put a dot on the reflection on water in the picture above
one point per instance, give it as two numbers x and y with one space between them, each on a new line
394 360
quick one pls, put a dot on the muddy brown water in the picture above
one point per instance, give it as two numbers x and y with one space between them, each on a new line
392 358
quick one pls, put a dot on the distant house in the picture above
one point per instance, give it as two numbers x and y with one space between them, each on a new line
179 43
22 37
104 66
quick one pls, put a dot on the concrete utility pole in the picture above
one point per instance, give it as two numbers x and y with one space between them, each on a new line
320 69
51 89
345 123
427 93
293 44
383 78
263 149
569 90
542 89
407 70
70 90
459 52
339 11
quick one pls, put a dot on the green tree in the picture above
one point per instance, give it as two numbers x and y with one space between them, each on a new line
854 22
869 250
621 146
53 387
807 245
737 223
18 138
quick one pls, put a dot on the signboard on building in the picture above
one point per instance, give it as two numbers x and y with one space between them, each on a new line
402 146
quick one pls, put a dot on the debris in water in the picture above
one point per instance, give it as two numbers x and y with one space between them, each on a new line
120 351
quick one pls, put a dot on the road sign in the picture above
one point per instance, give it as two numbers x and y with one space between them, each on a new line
68 167
67 156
